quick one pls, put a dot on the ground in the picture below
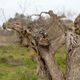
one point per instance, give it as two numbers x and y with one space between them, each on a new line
16 63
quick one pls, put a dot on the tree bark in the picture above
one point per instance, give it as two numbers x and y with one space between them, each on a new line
73 56
42 68
44 49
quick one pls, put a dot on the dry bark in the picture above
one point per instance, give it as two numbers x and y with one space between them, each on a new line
44 49
73 56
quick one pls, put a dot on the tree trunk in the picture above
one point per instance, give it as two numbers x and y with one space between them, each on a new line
73 56
44 49
42 71
42 68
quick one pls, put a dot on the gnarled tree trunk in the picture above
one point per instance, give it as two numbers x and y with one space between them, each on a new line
73 56
42 68
47 56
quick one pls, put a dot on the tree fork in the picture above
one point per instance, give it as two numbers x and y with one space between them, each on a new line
44 49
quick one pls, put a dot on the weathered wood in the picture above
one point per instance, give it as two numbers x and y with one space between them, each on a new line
45 53
73 56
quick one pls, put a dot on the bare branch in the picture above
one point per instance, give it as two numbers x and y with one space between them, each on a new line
2 10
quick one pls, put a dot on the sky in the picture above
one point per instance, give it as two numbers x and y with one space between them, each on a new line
8 8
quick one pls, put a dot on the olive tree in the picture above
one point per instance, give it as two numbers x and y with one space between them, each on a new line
45 37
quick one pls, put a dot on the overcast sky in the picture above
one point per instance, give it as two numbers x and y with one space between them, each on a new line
10 7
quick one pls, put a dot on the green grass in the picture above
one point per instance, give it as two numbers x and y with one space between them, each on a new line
22 72
27 70
61 58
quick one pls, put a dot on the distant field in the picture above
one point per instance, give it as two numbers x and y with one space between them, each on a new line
16 63
7 37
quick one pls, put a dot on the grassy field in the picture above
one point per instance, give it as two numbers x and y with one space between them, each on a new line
16 63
